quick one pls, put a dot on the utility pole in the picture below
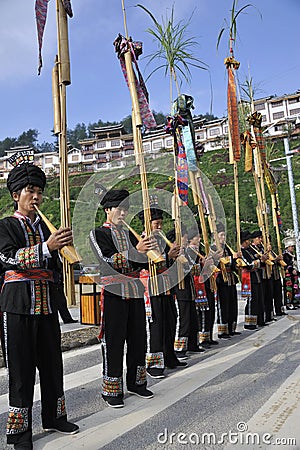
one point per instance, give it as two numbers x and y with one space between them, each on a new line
293 198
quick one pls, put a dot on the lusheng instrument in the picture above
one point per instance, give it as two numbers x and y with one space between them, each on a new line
240 261
259 254
68 251
273 256
181 258
154 255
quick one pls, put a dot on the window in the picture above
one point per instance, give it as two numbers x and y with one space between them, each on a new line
115 155
214 131
294 111
279 127
115 143
75 157
200 135
101 144
146 147
157 145
169 142
275 104
88 156
226 129
48 160
278 115
259 106
129 151
294 100
263 118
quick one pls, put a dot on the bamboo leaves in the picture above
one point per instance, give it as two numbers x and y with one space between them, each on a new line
174 47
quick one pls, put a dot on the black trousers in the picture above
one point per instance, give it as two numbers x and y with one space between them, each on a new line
124 321
33 342
162 329
254 306
277 296
186 314
206 318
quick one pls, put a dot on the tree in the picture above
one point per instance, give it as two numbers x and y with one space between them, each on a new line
6 144
79 133
29 138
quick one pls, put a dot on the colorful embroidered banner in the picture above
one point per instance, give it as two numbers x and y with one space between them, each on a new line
68 7
182 169
41 7
122 45
233 118
249 144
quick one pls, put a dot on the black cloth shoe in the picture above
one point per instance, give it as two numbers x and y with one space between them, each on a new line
224 336
178 364
113 402
71 321
263 324
235 333
141 391
23 446
250 327
205 344
196 350
212 342
181 356
63 427
155 372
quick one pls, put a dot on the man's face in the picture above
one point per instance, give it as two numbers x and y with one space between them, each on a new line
156 224
221 237
27 198
195 240
246 243
257 240
116 215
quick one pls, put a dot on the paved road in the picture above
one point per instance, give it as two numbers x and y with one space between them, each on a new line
240 394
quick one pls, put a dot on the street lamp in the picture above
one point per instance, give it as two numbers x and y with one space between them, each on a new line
288 156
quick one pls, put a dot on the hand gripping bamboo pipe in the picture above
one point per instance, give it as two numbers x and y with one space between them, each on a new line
181 258
154 255
268 262
68 251
240 261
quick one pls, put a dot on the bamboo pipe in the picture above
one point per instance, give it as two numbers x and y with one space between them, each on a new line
240 261
68 251
152 254
56 98
63 42
181 258
268 262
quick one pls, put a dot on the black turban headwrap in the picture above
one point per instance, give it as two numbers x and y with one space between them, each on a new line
24 175
245 235
155 213
114 198
256 233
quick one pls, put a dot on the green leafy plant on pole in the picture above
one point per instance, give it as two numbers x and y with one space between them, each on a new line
174 49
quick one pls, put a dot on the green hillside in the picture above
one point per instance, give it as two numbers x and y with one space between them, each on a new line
213 164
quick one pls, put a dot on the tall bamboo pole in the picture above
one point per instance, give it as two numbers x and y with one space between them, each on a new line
138 151
64 79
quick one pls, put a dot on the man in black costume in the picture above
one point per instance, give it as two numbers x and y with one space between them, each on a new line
28 301
120 257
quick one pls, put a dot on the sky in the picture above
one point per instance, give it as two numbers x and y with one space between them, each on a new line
267 47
